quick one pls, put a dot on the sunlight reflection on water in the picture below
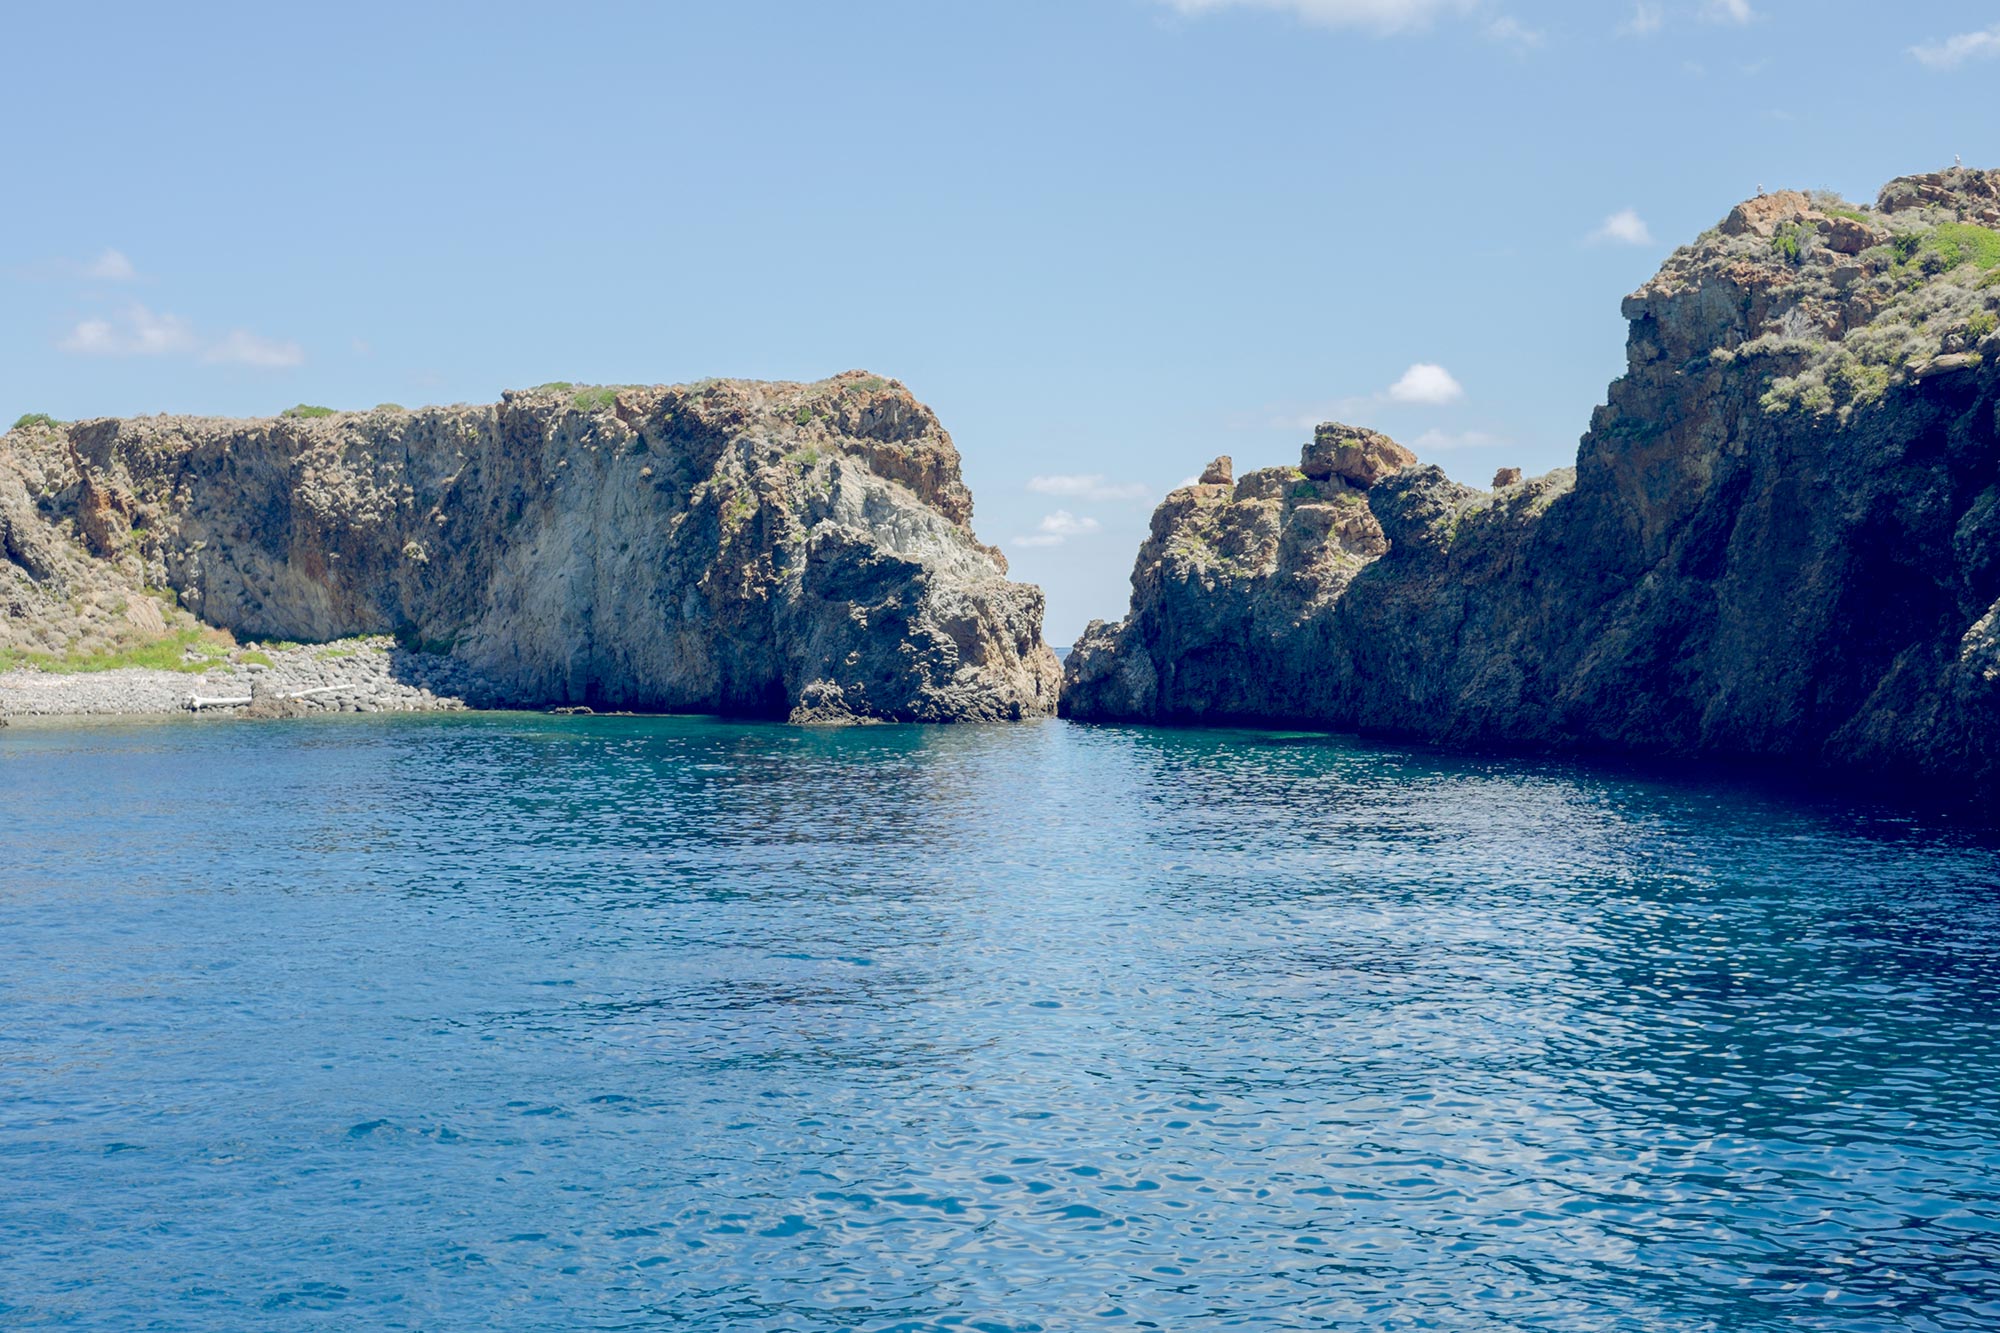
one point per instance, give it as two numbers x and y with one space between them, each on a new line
519 1022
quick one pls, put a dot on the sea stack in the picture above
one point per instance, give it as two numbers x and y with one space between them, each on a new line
1780 542
777 550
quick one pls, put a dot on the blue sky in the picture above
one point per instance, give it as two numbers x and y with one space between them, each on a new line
1105 239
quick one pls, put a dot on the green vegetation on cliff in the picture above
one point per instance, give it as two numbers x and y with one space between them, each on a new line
189 650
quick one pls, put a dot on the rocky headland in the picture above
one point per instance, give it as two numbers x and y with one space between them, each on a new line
1780 541
761 549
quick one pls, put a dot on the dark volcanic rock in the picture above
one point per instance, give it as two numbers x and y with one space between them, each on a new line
1781 539
732 547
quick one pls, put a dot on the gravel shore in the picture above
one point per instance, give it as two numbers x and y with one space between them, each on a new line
369 675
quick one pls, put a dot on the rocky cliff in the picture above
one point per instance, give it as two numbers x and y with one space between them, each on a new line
1781 539
785 550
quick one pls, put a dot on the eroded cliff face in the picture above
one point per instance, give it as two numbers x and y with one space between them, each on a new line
799 550
1234 591
1781 539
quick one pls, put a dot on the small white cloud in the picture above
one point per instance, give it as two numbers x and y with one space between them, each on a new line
92 337
1646 20
111 266
1059 527
1428 384
1088 486
1728 11
1382 16
1062 523
1625 227
242 348
1440 441
135 332
1955 51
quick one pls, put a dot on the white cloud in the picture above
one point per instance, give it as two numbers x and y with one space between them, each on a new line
1955 51
1428 384
1088 486
1440 441
1646 20
111 266
137 331
1059 527
1625 227
1062 523
242 348
1728 11
1384 16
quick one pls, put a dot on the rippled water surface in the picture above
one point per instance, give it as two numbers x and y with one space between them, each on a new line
514 1022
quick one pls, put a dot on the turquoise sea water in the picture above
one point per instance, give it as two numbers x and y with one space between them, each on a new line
513 1022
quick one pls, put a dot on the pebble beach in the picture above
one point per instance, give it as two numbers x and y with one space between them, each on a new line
365 675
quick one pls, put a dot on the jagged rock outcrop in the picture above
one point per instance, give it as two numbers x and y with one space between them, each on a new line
799 550
1235 587
1781 540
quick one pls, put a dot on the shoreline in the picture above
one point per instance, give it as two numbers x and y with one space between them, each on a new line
362 675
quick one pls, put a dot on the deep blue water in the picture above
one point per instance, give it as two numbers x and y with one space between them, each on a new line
513 1022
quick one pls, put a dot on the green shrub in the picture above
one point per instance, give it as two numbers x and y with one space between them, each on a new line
594 400
1905 246
553 386
1982 323
1304 490
305 410
1860 384
804 415
1790 242
1957 243
390 407
28 419
737 511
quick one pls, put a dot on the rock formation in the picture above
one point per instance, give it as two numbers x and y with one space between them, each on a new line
1781 540
784 550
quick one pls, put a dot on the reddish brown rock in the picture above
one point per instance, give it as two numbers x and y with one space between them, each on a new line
1359 457
1763 215
1846 236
